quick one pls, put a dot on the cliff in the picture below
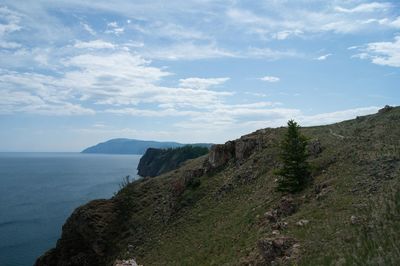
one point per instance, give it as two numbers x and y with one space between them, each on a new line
223 209
158 161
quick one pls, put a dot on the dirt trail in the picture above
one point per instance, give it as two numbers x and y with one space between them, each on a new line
335 134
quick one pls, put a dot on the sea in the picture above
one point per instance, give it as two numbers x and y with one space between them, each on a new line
38 191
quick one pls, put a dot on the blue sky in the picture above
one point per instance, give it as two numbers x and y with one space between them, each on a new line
74 73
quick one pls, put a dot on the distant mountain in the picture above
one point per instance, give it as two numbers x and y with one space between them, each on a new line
134 146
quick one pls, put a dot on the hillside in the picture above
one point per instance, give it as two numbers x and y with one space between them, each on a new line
234 216
158 161
133 146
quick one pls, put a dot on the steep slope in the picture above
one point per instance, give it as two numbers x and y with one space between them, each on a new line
158 161
234 216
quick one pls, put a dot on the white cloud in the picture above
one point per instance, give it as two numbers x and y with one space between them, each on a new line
270 54
9 23
270 79
366 7
235 120
256 94
96 44
382 53
393 23
112 81
201 83
323 57
89 29
152 113
285 34
9 45
113 28
289 21
27 102
186 51
172 31
113 24
10 19
337 116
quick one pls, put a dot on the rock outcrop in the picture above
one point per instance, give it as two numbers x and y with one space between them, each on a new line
314 147
220 154
237 150
385 109
281 247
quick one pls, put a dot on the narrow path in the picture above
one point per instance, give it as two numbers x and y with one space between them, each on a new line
335 134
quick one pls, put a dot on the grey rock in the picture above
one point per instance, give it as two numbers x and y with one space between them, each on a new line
303 222
274 248
314 147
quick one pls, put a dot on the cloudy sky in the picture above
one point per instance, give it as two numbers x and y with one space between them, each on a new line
73 73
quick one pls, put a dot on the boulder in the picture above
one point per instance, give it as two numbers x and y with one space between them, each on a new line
130 262
314 148
274 248
354 220
271 216
286 207
303 222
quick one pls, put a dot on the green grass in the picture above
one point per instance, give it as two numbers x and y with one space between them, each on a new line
203 226
225 230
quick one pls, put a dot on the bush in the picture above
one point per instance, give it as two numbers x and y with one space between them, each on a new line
125 182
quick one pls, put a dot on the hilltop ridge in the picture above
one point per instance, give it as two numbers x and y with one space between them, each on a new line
235 216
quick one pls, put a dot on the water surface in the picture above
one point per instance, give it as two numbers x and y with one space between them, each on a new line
38 191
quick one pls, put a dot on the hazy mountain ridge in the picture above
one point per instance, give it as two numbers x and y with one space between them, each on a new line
234 216
134 146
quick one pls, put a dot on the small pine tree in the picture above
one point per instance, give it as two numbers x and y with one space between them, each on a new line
295 170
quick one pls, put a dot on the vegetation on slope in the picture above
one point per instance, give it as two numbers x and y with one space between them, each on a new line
158 161
235 216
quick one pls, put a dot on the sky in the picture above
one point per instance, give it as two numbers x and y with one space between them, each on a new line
75 73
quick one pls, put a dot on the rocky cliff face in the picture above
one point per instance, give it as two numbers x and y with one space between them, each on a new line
237 150
85 236
223 209
158 161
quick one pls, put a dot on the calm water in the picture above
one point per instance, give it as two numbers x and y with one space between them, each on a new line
38 191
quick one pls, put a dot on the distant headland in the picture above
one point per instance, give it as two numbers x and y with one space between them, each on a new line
134 146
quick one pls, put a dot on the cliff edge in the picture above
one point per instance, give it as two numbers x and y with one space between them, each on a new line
158 161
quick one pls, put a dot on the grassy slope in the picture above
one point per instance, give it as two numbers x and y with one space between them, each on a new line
360 161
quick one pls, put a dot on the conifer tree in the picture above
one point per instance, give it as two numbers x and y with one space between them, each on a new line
295 170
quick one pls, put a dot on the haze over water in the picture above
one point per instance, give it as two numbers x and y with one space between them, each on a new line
38 191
